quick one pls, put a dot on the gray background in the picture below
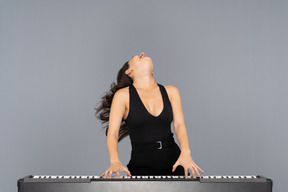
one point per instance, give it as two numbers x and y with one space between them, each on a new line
227 57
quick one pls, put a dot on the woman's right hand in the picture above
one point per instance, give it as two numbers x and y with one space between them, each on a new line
115 168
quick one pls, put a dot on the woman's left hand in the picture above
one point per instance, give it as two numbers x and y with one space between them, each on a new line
187 163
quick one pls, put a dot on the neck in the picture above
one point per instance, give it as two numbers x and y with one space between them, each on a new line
144 83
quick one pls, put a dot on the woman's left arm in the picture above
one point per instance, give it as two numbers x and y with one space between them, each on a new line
185 159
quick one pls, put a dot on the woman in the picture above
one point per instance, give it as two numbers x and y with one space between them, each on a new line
139 107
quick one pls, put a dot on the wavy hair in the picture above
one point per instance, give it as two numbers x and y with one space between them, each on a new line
103 110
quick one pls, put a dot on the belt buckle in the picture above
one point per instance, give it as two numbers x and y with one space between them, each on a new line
160 144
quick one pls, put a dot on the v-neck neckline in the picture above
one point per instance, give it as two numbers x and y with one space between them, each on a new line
145 106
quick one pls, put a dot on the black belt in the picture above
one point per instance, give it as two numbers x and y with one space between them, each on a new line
154 145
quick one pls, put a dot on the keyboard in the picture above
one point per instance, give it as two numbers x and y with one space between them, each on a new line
88 183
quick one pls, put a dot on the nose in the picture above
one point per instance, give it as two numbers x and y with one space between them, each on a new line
142 55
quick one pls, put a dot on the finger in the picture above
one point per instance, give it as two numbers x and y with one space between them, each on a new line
118 174
105 174
198 168
110 174
193 173
197 172
186 173
128 172
175 166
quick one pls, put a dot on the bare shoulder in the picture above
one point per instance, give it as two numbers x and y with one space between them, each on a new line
123 90
172 91
122 94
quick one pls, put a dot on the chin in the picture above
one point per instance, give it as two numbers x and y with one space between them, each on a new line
148 59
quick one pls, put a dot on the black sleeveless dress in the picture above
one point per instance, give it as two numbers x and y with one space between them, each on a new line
154 150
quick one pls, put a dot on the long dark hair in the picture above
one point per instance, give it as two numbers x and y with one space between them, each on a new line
103 110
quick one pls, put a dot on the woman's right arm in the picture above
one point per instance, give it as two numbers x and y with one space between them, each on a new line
116 115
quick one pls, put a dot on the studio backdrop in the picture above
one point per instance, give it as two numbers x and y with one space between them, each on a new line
228 58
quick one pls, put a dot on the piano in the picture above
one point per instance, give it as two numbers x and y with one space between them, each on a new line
68 183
